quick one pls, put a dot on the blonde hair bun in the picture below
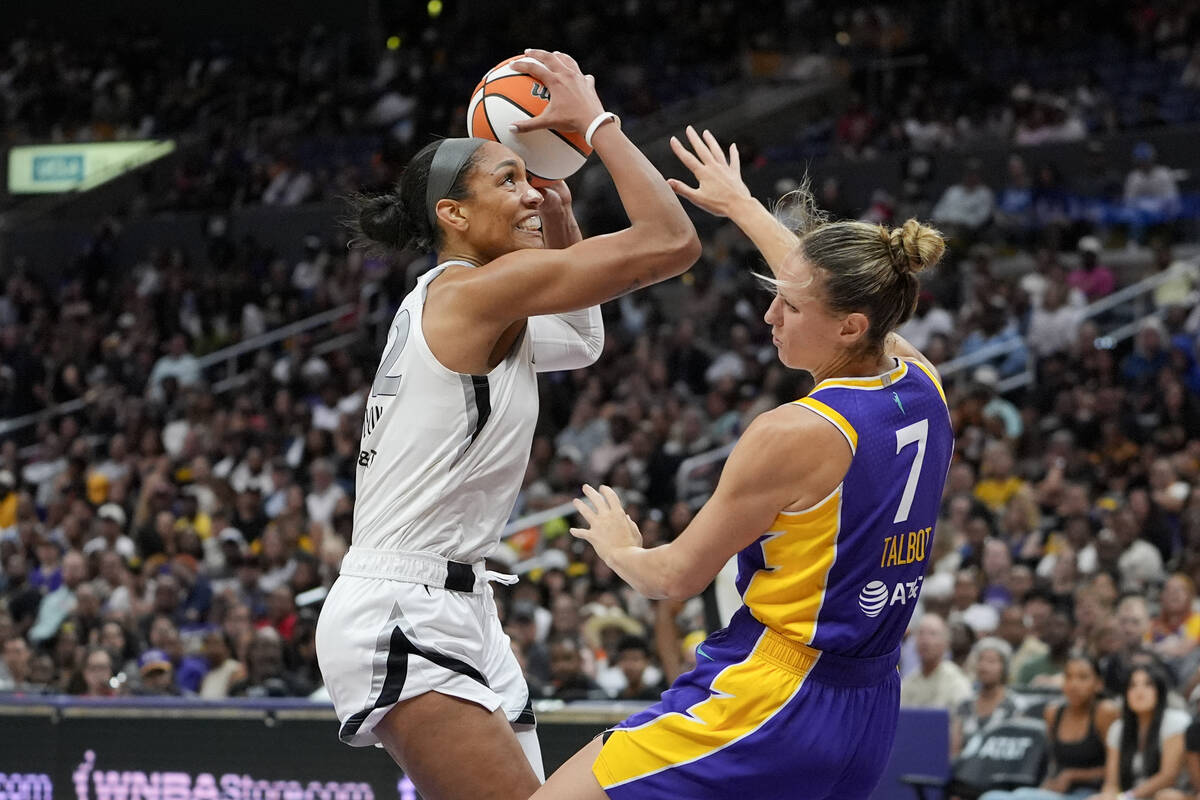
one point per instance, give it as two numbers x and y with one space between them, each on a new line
915 247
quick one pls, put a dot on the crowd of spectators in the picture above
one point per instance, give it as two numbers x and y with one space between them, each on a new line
309 114
301 115
1019 73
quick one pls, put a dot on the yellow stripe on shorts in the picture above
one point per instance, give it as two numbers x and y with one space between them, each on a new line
744 697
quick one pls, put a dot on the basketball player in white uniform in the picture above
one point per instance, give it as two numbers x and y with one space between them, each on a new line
409 642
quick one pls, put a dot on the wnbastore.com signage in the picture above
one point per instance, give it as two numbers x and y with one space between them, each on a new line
93 782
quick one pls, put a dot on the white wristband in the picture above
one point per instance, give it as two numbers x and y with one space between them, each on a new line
601 118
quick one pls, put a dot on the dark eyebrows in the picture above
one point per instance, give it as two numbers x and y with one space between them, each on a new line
505 164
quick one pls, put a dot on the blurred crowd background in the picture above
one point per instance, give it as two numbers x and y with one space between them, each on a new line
171 519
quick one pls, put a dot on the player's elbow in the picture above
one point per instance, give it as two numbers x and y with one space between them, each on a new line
680 592
686 248
680 588
673 247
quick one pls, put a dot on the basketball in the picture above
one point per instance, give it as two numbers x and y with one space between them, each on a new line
506 95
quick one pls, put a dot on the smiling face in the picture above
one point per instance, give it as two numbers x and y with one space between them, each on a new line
806 332
501 213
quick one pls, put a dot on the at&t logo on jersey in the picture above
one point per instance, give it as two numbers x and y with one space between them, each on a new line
876 596
873 598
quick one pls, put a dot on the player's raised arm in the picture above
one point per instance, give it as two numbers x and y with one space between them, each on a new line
722 192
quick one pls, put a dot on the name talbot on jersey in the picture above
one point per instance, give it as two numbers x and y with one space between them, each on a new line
905 548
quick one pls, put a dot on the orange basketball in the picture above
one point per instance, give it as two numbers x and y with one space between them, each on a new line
505 96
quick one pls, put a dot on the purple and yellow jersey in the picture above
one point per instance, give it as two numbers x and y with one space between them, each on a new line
843 576
798 696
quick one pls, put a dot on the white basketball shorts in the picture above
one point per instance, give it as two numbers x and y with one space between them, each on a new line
381 641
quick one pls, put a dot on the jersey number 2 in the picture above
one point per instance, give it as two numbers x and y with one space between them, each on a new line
917 432
386 384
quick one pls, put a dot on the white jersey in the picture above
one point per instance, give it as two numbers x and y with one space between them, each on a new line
443 454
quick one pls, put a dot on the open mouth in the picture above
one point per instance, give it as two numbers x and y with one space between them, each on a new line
531 224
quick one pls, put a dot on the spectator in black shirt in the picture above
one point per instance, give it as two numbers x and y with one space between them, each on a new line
266 676
22 597
633 659
568 681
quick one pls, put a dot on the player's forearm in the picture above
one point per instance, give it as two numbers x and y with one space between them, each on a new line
649 571
583 338
659 230
560 230
772 238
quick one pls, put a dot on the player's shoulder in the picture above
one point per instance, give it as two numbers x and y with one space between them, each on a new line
791 430
790 448
788 420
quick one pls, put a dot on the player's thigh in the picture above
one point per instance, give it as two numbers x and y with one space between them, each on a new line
574 780
452 748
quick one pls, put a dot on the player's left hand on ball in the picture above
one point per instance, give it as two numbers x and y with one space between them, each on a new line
609 526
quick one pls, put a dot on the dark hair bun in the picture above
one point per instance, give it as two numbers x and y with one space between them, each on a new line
379 219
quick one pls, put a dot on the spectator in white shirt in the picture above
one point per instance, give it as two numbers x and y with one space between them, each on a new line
310 270
176 363
110 530
928 319
1150 187
252 472
1053 325
939 683
966 205
1140 564
327 412
291 185
323 498
59 604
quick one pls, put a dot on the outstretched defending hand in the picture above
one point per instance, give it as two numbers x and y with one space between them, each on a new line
721 184
611 528
573 101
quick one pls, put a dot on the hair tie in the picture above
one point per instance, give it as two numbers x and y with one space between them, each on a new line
896 255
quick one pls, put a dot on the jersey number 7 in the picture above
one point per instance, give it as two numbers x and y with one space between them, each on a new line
917 432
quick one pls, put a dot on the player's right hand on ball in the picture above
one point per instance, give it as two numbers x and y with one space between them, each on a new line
721 184
573 101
